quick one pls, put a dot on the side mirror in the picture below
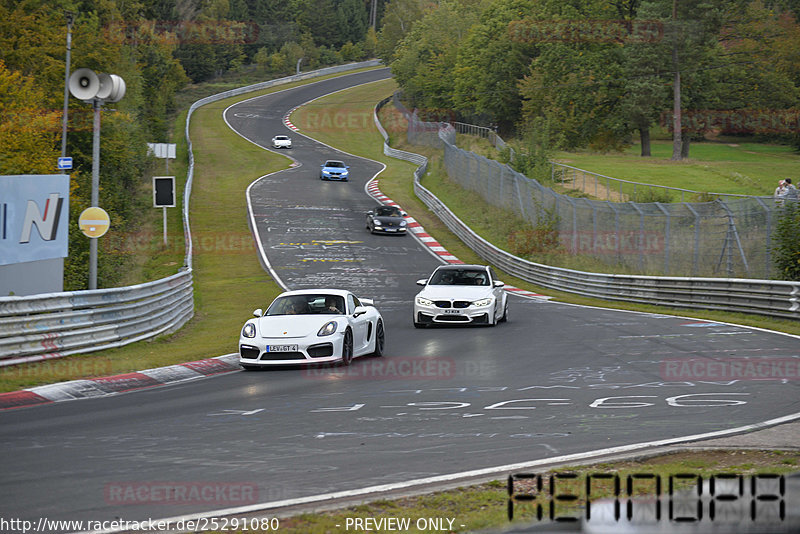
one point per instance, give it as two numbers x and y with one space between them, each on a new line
360 310
403 214
498 283
258 313
368 302
422 282
370 213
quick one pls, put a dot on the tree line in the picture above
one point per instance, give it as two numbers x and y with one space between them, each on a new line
160 48
602 73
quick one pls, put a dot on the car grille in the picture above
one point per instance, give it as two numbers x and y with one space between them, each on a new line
248 352
283 356
321 351
455 304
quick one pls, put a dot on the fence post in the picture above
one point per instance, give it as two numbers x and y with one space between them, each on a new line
768 245
696 252
666 237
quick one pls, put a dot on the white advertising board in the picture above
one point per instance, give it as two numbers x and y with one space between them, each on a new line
34 217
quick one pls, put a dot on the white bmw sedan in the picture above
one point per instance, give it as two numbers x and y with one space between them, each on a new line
312 326
461 294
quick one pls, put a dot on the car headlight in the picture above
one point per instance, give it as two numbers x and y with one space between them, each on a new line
481 303
403 223
249 330
327 329
422 301
376 222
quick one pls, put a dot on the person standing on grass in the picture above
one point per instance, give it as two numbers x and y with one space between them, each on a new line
791 190
780 190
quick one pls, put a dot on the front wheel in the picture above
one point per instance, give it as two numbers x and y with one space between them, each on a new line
504 318
380 339
347 348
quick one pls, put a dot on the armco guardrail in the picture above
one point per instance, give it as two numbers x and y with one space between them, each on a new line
60 324
40 327
771 298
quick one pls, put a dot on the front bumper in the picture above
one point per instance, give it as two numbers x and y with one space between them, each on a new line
389 230
334 177
254 351
437 315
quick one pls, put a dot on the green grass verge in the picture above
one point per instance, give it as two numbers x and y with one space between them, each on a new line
736 168
484 506
229 281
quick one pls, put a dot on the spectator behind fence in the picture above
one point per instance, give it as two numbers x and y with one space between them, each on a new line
780 190
791 190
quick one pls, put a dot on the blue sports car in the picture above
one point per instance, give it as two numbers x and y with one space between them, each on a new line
334 170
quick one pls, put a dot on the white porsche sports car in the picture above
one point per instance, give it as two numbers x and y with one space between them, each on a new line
461 294
312 326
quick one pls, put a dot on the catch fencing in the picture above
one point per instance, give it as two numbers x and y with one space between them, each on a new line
780 299
728 236
46 326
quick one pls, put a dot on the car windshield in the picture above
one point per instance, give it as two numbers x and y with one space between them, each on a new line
387 211
338 164
459 277
281 137
311 304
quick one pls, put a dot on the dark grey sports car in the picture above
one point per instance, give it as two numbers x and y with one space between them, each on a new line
386 220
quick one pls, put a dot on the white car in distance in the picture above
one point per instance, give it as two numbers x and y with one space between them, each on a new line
461 294
281 141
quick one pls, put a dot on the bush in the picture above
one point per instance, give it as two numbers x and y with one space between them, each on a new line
652 194
540 239
786 247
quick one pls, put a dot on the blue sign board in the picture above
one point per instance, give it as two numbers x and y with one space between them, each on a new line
64 164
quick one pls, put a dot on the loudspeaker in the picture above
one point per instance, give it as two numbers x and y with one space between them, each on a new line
84 84
105 86
117 88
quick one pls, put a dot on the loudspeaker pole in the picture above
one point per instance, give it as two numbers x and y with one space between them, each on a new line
96 105
85 85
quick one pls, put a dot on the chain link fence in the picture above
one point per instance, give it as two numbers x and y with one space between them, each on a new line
727 237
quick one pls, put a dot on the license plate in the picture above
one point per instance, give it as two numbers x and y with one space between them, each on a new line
452 312
282 348
391 229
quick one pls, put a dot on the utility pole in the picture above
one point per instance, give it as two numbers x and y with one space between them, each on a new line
70 20
373 14
677 141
